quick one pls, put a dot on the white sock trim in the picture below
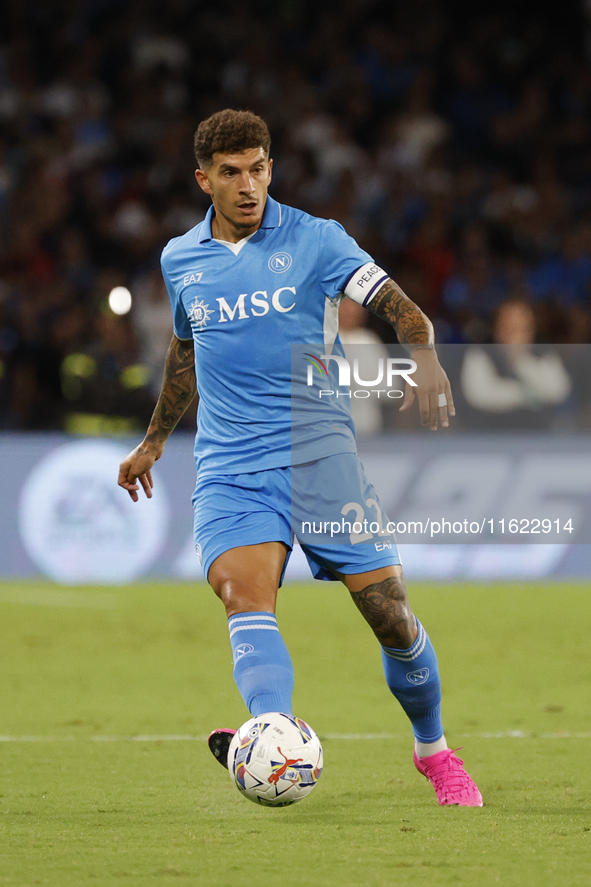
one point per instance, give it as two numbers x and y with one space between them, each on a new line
251 626
254 617
426 749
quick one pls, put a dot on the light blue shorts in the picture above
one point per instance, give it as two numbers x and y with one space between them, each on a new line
329 505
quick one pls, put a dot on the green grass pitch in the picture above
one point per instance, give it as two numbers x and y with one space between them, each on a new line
89 795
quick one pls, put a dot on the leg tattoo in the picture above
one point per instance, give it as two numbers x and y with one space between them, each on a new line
385 607
408 657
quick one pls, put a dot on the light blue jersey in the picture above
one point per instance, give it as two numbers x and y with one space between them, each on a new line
244 308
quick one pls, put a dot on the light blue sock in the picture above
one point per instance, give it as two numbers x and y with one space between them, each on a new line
262 665
413 677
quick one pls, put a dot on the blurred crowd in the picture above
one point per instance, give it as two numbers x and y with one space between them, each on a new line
452 140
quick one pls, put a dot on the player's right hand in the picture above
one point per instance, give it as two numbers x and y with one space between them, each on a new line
135 470
431 383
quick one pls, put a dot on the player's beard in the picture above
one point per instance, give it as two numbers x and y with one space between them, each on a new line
247 226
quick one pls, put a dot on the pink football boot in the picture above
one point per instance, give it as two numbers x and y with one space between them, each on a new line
451 782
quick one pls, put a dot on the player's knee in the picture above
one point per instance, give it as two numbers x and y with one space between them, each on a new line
385 607
241 596
400 634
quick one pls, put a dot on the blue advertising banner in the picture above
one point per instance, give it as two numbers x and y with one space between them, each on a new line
469 506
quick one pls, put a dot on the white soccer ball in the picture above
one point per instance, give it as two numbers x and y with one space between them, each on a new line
275 759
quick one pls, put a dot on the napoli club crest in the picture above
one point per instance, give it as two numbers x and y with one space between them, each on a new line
280 262
417 677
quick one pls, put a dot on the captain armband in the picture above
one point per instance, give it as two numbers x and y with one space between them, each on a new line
365 282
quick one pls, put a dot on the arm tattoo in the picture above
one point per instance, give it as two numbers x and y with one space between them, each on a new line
385 607
413 328
179 387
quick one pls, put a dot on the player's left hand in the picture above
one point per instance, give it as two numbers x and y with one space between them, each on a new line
136 470
432 390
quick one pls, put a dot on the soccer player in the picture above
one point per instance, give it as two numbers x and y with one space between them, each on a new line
249 282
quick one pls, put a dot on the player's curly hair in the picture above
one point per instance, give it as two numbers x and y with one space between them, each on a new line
229 132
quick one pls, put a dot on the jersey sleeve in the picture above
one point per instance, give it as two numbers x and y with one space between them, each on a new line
180 321
339 258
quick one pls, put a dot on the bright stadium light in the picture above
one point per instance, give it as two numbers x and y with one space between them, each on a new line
120 300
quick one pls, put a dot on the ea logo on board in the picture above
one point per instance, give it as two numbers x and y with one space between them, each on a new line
280 262
78 526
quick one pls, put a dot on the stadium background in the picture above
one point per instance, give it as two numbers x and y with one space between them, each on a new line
454 143
453 140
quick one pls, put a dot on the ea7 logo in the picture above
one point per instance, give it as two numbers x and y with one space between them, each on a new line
195 277
260 303
417 677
